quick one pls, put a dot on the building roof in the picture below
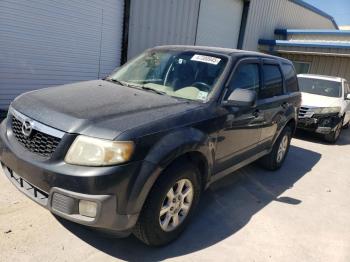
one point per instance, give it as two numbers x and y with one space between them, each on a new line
316 10
286 32
305 43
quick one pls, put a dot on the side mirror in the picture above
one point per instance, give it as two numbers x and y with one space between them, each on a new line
241 98
347 97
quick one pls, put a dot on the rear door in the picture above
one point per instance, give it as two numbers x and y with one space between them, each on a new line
273 101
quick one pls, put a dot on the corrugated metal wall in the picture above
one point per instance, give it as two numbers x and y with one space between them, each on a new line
267 15
161 22
45 43
324 65
219 23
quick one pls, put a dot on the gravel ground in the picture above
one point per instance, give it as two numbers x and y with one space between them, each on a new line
299 213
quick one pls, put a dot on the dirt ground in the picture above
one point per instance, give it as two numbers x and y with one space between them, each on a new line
299 213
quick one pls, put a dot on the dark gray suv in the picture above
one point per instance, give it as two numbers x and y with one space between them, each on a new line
135 151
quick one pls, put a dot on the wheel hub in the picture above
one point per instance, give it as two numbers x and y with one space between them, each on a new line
176 205
282 149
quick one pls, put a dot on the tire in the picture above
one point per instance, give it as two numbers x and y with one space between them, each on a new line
333 136
347 125
148 228
273 160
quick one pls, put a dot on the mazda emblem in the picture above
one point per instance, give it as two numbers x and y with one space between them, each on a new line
27 128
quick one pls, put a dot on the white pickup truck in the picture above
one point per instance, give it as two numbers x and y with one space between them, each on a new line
325 105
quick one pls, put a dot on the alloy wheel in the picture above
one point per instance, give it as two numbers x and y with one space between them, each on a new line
282 149
176 205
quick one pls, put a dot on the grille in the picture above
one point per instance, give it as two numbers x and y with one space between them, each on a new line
305 112
38 143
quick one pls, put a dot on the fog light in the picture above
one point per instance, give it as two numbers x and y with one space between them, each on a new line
87 208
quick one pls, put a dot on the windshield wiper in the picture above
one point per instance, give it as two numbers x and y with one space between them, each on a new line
115 81
153 90
135 86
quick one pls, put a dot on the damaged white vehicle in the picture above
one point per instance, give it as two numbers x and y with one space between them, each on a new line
325 105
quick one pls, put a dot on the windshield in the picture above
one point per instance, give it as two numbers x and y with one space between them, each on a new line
190 75
320 87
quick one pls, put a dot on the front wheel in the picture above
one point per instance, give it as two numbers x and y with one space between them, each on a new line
170 205
276 157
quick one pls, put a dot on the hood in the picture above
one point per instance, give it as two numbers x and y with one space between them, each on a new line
311 100
98 108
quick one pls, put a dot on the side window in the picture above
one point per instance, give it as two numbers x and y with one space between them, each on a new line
291 78
273 82
246 76
347 88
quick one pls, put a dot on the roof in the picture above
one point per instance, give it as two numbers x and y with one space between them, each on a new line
315 10
219 50
305 43
286 32
323 77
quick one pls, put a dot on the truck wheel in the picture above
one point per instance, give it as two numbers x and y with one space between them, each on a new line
333 136
170 205
276 157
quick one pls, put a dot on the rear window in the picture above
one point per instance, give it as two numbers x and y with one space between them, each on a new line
273 82
291 78
320 87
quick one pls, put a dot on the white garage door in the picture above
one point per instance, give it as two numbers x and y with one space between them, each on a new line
219 23
45 43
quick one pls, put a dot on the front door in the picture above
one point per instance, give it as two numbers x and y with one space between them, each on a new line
242 127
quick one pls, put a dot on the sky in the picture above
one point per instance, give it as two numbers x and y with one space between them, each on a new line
339 9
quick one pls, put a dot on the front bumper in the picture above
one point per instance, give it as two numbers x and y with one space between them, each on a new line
59 187
64 203
322 124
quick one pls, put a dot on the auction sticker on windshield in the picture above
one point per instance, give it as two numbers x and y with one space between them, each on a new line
206 59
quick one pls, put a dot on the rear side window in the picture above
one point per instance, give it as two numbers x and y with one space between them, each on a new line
273 82
291 78
347 88
246 76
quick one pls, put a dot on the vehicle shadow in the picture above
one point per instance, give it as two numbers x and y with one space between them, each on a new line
226 207
343 140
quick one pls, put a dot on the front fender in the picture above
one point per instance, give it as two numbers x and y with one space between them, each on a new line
177 143
164 152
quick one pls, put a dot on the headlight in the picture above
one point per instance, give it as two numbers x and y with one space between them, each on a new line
326 110
89 151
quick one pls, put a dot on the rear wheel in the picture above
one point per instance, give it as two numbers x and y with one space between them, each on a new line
276 157
170 205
